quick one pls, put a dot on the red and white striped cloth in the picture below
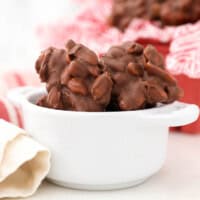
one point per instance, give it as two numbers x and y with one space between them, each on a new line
9 112
10 80
184 56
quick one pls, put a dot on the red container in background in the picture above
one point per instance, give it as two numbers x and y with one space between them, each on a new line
191 86
191 89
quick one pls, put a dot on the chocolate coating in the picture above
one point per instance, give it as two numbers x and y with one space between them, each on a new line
74 79
50 66
168 12
127 77
139 82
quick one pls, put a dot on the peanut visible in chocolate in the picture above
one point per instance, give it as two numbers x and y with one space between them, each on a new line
139 77
74 79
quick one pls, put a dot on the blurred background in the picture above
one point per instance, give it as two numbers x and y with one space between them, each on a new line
18 23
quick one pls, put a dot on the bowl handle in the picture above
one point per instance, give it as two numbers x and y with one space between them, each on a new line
17 95
175 114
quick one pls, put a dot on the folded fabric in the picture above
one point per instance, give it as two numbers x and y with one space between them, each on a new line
24 163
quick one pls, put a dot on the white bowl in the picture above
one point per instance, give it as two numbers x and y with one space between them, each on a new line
102 150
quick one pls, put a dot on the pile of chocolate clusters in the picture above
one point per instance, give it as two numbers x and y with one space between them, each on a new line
126 77
168 12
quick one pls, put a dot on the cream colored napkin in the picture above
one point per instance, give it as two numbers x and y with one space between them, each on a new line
24 163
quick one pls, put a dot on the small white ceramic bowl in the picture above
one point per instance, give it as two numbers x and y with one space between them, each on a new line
102 150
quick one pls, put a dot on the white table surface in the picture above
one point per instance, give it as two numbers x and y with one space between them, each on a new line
179 179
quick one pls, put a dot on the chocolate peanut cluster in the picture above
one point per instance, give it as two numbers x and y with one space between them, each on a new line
168 12
127 77
140 80
74 79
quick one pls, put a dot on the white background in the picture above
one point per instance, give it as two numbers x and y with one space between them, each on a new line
18 22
